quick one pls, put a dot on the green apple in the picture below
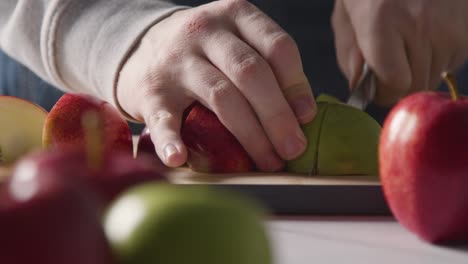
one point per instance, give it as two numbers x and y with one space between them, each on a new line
342 140
163 223
326 98
21 124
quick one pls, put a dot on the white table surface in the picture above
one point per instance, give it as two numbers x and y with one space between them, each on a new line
306 240
330 240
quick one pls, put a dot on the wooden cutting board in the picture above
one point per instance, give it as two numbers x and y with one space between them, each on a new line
292 194
187 176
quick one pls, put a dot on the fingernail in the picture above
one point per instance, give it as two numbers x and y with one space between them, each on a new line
304 108
169 151
295 145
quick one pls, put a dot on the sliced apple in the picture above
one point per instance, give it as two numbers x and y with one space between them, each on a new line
21 128
342 140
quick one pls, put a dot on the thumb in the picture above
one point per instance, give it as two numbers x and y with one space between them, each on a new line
163 118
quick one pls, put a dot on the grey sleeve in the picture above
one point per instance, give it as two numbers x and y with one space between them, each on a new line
77 45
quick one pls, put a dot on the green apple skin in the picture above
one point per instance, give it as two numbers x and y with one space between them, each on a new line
342 140
307 161
163 223
348 142
327 98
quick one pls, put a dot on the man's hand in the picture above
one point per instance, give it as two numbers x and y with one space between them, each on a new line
236 61
408 43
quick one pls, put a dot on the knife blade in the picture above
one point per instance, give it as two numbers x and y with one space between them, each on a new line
365 89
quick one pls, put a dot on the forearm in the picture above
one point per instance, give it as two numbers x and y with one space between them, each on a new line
78 46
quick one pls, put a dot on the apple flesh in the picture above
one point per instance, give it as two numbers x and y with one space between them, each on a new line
423 165
211 146
63 127
342 140
21 128
154 223
50 218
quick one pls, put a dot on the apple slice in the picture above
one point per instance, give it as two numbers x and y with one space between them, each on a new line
342 140
22 123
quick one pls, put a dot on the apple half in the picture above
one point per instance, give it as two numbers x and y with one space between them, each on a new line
21 128
342 140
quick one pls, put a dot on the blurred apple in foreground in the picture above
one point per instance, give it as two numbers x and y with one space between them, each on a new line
107 171
21 124
342 140
154 223
50 218
63 126
423 157
113 173
211 147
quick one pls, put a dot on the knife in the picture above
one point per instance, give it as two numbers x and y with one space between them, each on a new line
365 89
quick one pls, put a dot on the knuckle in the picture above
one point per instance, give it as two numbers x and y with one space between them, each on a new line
235 5
282 44
279 117
170 56
159 116
219 92
396 81
246 66
153 81
198 23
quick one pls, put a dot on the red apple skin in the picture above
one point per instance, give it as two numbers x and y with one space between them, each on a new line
423 162
212 148
58 221
116 172
145 144
63 127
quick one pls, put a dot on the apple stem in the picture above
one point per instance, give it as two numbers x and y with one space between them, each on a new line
452 85
92 123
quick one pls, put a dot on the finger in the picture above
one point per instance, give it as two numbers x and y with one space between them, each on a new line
383 48
252 75
420 60
386 55
281 53
215 90
438 65
348 54
163 117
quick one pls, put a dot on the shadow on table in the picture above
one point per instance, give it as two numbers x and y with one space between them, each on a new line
463 247
458 247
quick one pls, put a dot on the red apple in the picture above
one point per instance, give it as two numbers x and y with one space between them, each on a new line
211 147
110 175
63 126
145 144
423 156
46 217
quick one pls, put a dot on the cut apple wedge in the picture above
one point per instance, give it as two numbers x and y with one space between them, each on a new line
21 128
